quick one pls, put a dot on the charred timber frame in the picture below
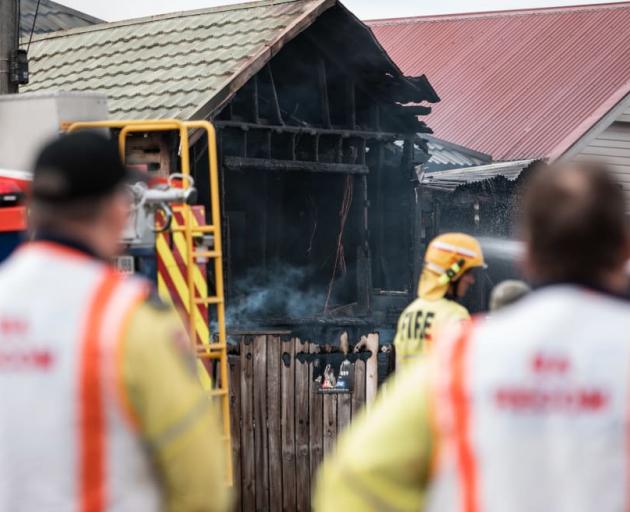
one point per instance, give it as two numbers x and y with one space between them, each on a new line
312 130
310 110
235 163
244 161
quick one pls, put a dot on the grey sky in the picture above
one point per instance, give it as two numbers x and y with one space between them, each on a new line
111 10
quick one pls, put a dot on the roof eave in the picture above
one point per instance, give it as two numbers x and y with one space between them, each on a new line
598 121
420 82
253 65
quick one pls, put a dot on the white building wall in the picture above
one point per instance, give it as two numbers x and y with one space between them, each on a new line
613 147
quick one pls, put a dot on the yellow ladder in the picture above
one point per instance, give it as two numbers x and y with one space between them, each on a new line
209 349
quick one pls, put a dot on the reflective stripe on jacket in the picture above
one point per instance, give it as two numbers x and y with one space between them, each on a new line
534 408
420 322
529 412
65 441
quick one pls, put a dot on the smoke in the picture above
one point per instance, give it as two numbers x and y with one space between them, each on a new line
278 291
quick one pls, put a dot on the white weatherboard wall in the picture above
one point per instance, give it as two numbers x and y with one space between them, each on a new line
613 147
625 117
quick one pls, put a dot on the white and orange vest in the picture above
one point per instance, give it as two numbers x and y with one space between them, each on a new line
532 408
65 441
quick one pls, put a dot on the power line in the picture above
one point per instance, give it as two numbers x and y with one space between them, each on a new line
33 27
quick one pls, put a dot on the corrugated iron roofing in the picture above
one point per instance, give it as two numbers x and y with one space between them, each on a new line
446 155
168 66
50 18
517 84
450 180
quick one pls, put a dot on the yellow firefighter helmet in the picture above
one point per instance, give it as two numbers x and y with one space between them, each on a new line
447 258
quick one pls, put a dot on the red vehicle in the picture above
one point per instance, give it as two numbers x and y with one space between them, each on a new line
14 186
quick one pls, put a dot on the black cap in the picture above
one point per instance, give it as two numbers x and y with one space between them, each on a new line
80 165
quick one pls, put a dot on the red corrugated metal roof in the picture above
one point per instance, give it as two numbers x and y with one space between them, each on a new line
517 84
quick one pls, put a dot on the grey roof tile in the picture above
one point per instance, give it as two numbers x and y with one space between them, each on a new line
168 65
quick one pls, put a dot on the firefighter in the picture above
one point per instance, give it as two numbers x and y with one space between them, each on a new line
527 410
448 273
100 407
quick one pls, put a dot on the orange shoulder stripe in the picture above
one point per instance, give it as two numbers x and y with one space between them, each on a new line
461 415
92 462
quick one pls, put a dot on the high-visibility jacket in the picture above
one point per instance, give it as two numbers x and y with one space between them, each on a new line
526 411
420 322
87 421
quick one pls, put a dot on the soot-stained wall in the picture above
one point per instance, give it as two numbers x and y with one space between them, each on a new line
317 195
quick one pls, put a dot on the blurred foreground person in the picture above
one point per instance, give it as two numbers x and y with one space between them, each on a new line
447 275
100 408
528 410
507 293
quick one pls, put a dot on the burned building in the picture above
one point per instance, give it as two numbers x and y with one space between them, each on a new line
318 133
310 175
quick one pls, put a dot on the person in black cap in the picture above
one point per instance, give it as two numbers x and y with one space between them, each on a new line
99 396
79 195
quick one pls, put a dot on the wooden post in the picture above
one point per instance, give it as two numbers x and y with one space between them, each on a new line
274 95
330 422
255 98
235 422
371 368
344 411
274 397
315 420
344 401
358 396
248 469
302 459
288 371
323 91
9 30
352 104
261 446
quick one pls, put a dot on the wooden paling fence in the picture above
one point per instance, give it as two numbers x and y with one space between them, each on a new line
281 425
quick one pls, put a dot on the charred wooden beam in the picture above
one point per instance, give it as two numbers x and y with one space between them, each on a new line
274 95
307 130
323 92
352 104
225 221
364 262
364 281
416 110
376 109
256 104
407 166
362 152
235 163
380 209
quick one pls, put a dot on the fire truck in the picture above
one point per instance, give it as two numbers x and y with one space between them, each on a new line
173 236
13 189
